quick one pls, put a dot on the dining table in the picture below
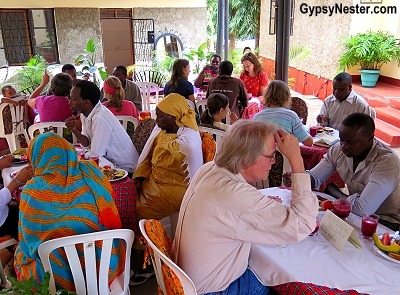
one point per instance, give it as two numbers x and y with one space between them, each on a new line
314 266
124 189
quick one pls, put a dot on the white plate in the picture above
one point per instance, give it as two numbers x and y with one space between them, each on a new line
119 178
383 253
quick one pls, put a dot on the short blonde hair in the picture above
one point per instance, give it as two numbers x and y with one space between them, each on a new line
119 94
277 93
243 144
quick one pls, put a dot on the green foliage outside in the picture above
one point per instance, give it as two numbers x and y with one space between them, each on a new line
162 62
198 56
28 287
89 59
31 73
369 50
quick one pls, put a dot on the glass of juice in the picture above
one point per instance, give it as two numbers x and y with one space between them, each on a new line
369 225
315 232
342 208
95 158
313 130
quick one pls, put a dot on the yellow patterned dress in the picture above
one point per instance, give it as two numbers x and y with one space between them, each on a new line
166 178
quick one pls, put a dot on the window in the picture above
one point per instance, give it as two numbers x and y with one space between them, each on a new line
273 17
25 33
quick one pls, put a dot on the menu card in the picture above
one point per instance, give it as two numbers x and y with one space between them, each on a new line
326 140
337 232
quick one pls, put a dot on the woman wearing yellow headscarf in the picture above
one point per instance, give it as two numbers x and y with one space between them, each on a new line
169 159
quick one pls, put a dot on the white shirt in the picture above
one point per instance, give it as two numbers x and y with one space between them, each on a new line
108 138
335 111
5 197
221 215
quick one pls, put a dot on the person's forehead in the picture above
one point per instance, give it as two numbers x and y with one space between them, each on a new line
215 59
340 84
75 92
352 132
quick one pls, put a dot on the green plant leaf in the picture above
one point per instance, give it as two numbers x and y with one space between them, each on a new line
90 46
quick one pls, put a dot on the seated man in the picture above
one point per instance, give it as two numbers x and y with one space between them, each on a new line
369 168
132 91
222 214
343 102
101 130
232 87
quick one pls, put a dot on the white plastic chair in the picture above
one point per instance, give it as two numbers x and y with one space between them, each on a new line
191 104
46 127
145 90
125 119
89 283
216 134
18 123
201 106
186 282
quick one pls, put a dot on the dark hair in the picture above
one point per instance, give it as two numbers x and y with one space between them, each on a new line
5 87
250 56
61 84
215 102
360 121
122 68
216 55
89 91
177 73
345 77
246 48
225 68
67 67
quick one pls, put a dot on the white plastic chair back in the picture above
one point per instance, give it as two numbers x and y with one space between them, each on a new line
125 119
3 245
145 90
89 283
191 104
201 106
186 282
216 134
18 126
46 127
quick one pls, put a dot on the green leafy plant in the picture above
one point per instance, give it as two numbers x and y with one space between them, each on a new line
89 58
369 50
29 287
198 56
162 62
298 53
32 72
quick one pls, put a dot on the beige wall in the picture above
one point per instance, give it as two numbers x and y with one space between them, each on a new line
101 3
189 24
75 26
322 35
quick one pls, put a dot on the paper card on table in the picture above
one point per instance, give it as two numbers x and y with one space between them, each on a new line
337 232
325 140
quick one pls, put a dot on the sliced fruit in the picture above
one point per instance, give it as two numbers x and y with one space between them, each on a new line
386 239
326 205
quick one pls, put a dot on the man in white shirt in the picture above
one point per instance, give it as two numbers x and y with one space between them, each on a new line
132 91
101 130
343 102
222 213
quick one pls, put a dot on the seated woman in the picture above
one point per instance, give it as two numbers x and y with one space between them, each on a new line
253 77
115 95
179 80
54 107
217 110
208 72
169 159
65 197
276 102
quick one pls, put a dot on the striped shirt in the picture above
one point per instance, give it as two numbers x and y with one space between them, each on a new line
373 186
335 111
286 119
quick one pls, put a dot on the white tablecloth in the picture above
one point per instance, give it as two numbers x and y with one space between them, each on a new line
315 260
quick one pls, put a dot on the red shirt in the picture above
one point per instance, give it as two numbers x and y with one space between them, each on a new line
253 84
128 109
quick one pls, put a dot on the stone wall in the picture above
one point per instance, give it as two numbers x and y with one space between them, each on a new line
75 26
189 24
321 34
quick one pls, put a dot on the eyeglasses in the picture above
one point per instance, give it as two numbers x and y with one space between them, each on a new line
270 158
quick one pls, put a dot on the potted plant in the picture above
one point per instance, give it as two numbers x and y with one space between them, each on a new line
370 51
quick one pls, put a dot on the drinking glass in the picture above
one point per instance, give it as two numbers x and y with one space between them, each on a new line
313 130
95 158
369 225
342 208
